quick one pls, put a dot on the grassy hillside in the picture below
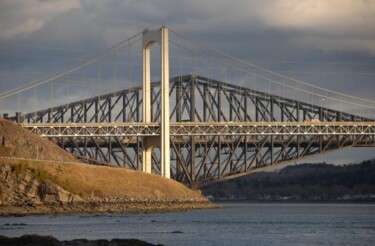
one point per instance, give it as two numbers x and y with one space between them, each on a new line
17 142
57 177
103 182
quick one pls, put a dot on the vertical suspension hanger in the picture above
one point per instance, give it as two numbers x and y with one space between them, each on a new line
178 89
130 63
18 102
256 79
98 79
35 104
83 90
67 91
181 63
114 64
312 102
269 92
51 92
196 60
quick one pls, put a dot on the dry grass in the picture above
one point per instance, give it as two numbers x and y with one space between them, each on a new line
85 180
18 142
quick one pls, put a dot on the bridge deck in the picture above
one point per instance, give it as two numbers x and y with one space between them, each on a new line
135 129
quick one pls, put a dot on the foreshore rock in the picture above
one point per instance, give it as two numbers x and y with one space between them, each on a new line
86 207
36 240
21 188
23 194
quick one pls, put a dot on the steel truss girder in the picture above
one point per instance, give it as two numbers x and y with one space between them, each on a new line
244 129
202 128
218 101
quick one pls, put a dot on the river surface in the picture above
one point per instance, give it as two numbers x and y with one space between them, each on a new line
236 224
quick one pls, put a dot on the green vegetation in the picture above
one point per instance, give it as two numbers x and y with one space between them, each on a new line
40 174
20 169
303 182
59 169
4 151
67 186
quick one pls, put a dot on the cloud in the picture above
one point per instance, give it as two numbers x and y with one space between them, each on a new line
254 30
331 43
328 25
334 16
343 25
20 18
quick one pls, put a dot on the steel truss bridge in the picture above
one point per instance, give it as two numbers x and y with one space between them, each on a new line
217 130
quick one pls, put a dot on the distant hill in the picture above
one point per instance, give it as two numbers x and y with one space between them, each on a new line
36 176
313 182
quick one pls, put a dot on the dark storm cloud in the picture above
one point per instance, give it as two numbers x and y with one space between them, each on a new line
324 24
304 39
21 18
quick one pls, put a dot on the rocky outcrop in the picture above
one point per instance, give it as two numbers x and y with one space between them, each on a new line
22 188
38 177
36 240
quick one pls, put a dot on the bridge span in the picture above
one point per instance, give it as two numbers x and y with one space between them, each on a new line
206 151
197 129
135 129
217 130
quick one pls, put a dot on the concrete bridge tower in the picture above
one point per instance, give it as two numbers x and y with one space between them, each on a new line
159 36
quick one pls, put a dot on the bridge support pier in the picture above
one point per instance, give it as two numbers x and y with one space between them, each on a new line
159 36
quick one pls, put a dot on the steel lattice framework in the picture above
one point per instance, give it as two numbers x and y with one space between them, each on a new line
218 130
114 129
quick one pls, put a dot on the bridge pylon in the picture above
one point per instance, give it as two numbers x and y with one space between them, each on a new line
159 36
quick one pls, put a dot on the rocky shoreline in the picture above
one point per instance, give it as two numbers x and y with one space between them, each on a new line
23 193
33 240
54 182
105 207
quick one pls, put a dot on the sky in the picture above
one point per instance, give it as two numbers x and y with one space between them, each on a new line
325 43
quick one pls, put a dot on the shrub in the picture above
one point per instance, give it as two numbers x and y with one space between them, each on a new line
40 174
21 168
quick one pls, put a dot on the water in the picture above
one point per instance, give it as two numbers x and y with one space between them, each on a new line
237 224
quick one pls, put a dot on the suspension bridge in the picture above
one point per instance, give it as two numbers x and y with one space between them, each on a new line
218 118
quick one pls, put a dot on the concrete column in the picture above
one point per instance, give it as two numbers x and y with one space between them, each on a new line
165 134
148 39
146 90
